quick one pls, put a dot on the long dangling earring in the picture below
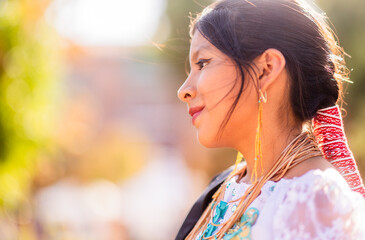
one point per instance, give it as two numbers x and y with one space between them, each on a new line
258 150
238 161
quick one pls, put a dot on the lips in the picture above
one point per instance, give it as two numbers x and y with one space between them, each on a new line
195 111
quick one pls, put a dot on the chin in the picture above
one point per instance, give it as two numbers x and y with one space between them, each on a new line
208 140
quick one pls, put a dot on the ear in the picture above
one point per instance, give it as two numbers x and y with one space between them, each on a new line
271 63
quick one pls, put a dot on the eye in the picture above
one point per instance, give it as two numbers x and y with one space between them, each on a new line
202 63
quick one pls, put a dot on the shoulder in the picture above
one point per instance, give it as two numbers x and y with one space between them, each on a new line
308 165
319 205
315 178
318 184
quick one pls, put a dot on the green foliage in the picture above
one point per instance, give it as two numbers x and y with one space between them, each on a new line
28 63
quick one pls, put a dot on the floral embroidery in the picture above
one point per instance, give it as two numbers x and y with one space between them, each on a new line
219 214
242 229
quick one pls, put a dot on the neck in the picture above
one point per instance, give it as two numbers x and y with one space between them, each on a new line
273 143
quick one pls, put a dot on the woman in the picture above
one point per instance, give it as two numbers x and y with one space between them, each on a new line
265 79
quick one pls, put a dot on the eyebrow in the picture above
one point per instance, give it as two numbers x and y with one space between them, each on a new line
200 49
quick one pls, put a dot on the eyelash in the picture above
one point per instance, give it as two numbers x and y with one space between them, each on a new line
201 62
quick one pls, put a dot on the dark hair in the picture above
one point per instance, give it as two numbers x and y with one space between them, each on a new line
244 29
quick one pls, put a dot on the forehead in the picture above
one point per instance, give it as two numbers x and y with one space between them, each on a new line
199 44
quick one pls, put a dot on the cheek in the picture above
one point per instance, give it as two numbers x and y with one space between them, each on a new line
219 90
218 96
243 120
216 86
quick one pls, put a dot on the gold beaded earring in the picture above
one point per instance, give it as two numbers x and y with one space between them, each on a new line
238 161
258 139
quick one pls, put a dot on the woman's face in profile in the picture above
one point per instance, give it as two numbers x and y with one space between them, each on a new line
210 90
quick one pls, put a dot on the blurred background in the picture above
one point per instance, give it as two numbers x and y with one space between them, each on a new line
94 143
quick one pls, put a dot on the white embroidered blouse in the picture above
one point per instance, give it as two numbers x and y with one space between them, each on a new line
316 205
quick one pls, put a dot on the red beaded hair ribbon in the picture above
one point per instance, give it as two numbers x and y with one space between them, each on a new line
330 135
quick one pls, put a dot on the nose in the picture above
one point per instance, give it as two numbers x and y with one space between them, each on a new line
186 92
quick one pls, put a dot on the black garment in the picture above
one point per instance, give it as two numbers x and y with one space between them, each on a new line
200 205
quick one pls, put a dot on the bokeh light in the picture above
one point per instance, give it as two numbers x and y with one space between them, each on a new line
107 22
